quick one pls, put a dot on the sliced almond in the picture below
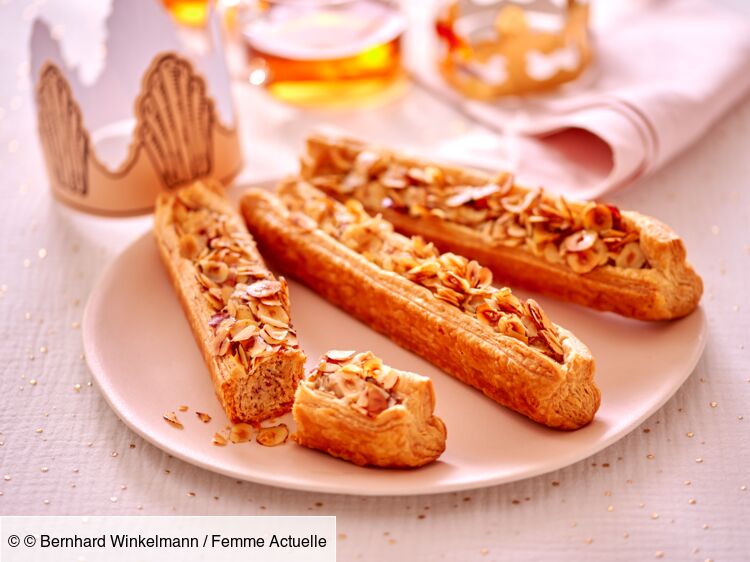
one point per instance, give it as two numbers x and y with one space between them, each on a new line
249 331
190 246
339 356
343 383
631 256
219 440
274 315
371 363
487 315
582 262
596 216
273 335
516 230
264 288
258 348
171 419
373 399
205 418
580 241
538 315
470 194
240 433
272 436
390 379
216 271
512 326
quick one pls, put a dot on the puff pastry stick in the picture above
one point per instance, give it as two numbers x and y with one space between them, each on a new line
238 311
442 307
585 252
355 408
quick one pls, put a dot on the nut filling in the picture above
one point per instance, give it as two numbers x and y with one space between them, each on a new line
358 379
251 318
581 236
450 278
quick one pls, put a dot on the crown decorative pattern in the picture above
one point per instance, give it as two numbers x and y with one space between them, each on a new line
65 142
177 139
175 118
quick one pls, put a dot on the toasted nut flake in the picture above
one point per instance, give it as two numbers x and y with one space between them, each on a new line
631 256
344 383
240 433
596 216
394 178
272 436
390 380
516 231
580 241
538 315
340 159
171 419
190 246
183 408
247 332
373 399
219 440
217 319
469 194
487 315
273 335
582 262
264 288
216 271
553 343
339 356
352 368
258 348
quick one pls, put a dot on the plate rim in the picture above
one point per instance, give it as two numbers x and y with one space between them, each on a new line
98 371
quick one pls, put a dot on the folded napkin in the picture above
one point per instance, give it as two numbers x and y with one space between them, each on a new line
665 70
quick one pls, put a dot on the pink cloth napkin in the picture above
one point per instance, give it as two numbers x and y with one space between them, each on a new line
665 70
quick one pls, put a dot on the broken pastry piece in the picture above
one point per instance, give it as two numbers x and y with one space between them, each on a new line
584 252
238 311
441 306
355 408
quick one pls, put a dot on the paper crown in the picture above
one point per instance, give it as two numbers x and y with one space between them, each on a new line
112 146
511 47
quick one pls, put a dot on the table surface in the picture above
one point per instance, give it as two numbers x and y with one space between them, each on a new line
674 488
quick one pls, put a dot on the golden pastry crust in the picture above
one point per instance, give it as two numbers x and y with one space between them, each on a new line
559 394
213 262
360 410
662 285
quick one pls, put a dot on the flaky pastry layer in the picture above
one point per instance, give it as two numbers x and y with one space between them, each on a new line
583 252
559 394
355 408
237 310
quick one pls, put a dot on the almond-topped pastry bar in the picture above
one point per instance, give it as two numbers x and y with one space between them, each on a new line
238 311
440 306
356 408
585 252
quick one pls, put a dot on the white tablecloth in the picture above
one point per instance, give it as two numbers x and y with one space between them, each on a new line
675 488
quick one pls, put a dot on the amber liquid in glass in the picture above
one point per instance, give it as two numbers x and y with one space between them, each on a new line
188 12
325 52
474 36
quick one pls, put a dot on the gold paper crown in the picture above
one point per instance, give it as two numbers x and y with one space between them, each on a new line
177 139
494 48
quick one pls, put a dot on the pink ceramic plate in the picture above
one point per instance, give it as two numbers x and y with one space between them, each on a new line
145 362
